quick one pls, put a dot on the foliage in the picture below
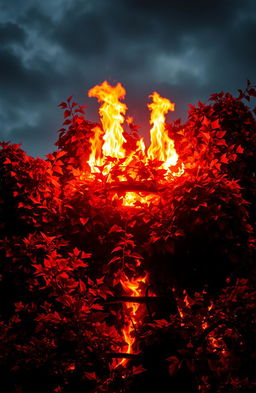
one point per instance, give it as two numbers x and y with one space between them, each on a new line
66 244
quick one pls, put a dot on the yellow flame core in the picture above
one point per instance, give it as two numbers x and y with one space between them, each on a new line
161 147
112 113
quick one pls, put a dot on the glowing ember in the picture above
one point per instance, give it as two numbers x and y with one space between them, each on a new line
107 144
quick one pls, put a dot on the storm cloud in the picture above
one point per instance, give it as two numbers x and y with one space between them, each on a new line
53 49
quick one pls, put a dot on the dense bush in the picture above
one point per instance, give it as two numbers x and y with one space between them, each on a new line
65 246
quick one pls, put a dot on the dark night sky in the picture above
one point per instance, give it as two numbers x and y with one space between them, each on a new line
52 49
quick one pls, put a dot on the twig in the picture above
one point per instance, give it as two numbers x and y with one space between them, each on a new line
120 355
135 299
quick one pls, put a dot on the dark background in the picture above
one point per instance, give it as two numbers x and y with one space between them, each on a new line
50 50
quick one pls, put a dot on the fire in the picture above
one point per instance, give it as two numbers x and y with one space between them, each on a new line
112 113
96 148
130 171
162 147
133 287
108 142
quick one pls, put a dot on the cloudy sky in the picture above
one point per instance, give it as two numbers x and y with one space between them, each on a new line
52 49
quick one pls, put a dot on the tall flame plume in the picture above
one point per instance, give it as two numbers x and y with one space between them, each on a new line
109 142
161 147
112 113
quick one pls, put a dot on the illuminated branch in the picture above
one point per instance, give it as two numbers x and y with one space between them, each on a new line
120 355
136 299
139 187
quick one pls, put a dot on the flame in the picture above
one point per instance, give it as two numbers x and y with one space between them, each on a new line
141 146
131 287
109 142
96 150
162 147
112 113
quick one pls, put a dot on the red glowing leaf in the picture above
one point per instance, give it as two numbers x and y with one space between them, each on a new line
160 323
60 154
220 134
138 369
58 169
115 228
252 92
215 124
63 105
58 389
240 150
84 220
100 281
82 287
221 142
85 255
97 307
79 110
206 122
76 252
67 122
179 233
224 159
91 376
174 365
114 259
67 113
19 306
155 238
118 248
